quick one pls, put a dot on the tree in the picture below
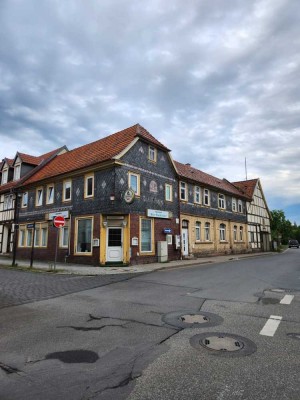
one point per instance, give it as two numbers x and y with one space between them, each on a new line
283 228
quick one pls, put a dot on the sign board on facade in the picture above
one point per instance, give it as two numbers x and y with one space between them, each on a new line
134 241
129 196
59 221
30 226
64 214
157 214
167 230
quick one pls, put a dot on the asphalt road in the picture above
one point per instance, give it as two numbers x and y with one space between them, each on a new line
134 339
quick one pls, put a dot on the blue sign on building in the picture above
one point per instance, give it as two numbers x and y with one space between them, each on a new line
167 230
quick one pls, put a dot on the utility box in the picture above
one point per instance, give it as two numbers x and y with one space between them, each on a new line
162 251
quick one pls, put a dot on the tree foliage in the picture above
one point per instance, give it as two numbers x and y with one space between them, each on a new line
282 227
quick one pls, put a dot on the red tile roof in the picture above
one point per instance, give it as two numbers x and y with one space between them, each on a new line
247 186
188 172
9 161
35 160
94 153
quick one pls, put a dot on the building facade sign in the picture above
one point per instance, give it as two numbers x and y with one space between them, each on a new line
158 214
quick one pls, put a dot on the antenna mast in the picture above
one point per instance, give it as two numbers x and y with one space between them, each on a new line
246 168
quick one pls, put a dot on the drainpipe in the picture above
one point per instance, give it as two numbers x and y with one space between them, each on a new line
16 226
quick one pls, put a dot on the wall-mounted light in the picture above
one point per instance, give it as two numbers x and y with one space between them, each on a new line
112 197
124 223
104 223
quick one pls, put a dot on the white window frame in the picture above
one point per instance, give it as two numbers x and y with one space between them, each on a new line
151 251
240 206
168 192
197 195
198 231
24 200
222 232
183 191
152 153
4 176
207 231
234 206
221 201
241 233
137 176
17 172
8 202
206 197
87 178
50 194
235 233
64 233
39 196
67 184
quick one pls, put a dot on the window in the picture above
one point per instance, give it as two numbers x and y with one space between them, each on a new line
29 237
8 202
152 154
50 194
84 235
221 201
207 231
67 194
183 191
24 199
39 197
252 237
89 185
206 199
197 195
198 231
134 182
168 192
146 235
17 172
240 206
234 204
4 176
222 232
235 233
241 233
37 235
22 236
64 236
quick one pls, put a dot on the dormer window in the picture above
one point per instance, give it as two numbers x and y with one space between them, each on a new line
152 154
4 176
17 172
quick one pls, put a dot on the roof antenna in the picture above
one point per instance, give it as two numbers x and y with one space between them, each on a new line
246 168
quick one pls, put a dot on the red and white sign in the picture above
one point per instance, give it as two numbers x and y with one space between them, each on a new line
59 221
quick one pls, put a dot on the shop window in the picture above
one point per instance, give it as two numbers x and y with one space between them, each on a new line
83 235
146 235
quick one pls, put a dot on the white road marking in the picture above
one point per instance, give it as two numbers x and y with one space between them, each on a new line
287 299
271 326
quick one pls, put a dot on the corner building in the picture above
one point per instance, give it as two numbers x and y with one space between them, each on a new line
119 198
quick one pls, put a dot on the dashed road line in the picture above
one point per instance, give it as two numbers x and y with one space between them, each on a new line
271 326
287 299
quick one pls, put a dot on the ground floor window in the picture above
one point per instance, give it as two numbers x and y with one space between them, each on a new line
146 228
83 235
207 231
64 236
198 231
222 232
37 233
235 233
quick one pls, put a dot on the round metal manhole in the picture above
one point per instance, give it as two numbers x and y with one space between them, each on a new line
294 335
190 319
223 344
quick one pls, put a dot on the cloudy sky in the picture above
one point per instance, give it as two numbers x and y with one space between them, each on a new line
214 80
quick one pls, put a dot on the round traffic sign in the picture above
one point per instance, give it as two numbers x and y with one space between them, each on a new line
59 221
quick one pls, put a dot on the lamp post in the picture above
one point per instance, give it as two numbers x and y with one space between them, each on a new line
16 226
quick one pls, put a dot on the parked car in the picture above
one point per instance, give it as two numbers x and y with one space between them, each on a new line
293 243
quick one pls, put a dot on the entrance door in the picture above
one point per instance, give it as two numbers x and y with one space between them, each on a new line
114 250
185 241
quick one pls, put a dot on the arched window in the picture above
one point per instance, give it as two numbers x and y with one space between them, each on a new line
241 233
222 232
198 231
207 231
235 233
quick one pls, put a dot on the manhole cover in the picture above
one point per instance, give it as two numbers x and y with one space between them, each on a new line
190 319
223 344
294 335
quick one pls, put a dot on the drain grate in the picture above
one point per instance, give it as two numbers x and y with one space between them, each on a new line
191 319
223 344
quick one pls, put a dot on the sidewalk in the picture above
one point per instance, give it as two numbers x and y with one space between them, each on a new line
77 269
